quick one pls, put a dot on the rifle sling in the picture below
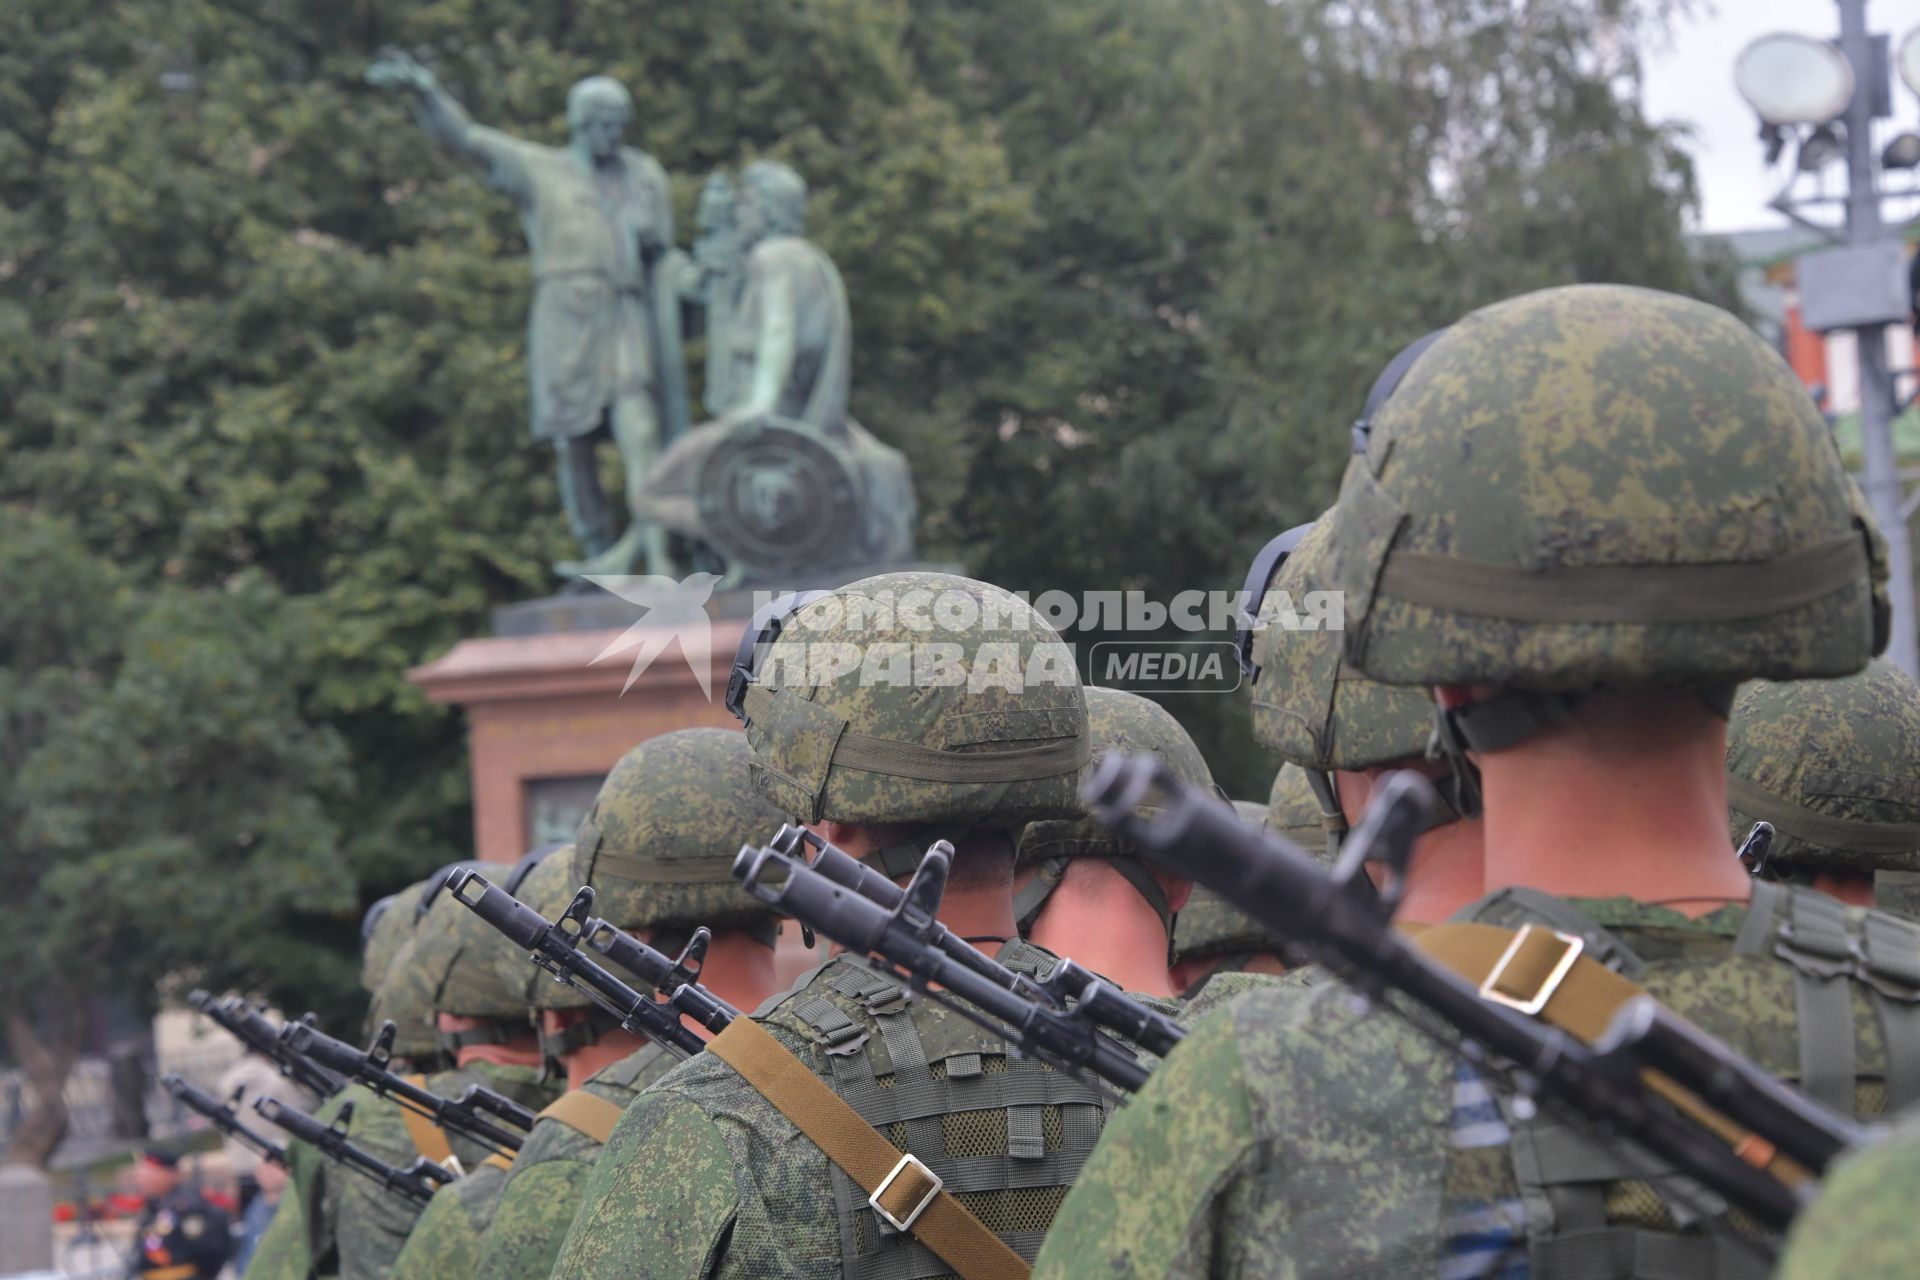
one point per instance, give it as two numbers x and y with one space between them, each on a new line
586 1113
944 1226
428 1138
1582 1005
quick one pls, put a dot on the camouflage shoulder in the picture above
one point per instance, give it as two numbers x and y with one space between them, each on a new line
1144 1204
1221 988
445 1243
1862 1227
536 1208
663 1190
620 1081
282 1252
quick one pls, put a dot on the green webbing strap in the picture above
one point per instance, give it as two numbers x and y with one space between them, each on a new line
998 762
1032 896
1731 591
1890 957
641 870
590 1030
1506 719
490 1033
1332 817
1794 819
897 861
1817 942
1628 1253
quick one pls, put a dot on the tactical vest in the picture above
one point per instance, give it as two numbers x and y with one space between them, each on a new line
1007 1135
1603 1211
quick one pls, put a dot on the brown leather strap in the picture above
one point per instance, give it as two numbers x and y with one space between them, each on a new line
178 1271
586 1113
498 1161
944 1225
1580 1001
427 1137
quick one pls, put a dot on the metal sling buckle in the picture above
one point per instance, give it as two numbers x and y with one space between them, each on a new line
1533 1004
901 1166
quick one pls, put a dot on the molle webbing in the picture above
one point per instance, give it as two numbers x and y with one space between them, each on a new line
1849 835
1830 948
1582 1002
1565 1175
428 1138
1654 595
1003 763
864 1154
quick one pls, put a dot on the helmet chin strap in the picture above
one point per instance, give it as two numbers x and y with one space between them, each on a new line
1491 724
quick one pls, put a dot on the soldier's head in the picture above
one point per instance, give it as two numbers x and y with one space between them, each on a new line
911 707
1087 857
456 966
1309 703
1212 936
773 201
1834 766
599 108
1587 514
156 1172
657 848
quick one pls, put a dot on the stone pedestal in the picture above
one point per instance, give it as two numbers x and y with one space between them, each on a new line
26 1221
546 723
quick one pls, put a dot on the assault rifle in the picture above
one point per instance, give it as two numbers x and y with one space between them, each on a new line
223 1118
555 947
1062 1019
371 1067
1624 1085
677 979
249 1026
417 1182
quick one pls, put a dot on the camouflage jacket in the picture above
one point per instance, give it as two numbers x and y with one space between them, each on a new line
704 1177
445 1241
1863 1226
285 1252
368 1226
1292 1134
543 1188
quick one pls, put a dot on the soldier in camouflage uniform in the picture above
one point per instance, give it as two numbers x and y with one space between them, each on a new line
658 849
1081 890
1834 765
452 967
284 1251
1584 517
1211 937
705 1175
1863 1226
1317 712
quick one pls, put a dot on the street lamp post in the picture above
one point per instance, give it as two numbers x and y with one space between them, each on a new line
1882 481
1793 83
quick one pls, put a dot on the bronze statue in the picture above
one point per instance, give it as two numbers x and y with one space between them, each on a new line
784 481
603 335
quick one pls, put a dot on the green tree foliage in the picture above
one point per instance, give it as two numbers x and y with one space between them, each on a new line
164 803
1121 271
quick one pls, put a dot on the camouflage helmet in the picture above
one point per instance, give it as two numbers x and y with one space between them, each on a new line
961 705
659 843
1314 709
1116 721
458 962
1834 765
1207 926
383 931
1598 486
548 887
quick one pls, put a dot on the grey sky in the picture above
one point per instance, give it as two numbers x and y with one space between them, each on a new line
1691 81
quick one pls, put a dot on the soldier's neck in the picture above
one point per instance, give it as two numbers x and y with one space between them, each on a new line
583 1064
1100 922
1448 872
738 969
1627 799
